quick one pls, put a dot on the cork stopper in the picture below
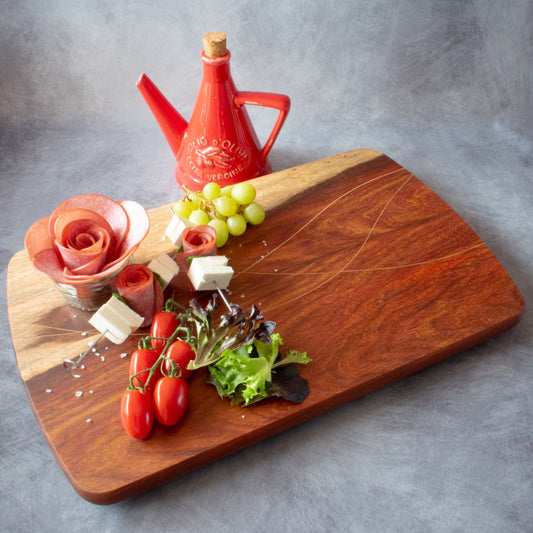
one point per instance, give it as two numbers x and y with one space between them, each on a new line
215 44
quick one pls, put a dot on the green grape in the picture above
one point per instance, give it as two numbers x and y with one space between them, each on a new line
199 217
236 225
182 209
226 206
254 213
243 193
211 190
194 200
226 191
222 231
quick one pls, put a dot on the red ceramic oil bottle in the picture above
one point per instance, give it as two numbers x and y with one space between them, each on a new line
219 142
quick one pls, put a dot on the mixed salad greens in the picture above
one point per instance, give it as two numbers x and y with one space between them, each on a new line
242 354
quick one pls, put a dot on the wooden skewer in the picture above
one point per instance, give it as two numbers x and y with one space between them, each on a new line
71 365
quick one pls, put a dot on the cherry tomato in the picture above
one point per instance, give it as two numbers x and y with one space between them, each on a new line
181 353
137 413
164 324
170 400
144 359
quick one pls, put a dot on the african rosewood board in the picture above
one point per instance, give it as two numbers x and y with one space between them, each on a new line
359 263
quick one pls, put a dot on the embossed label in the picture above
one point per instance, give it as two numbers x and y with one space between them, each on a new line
216 159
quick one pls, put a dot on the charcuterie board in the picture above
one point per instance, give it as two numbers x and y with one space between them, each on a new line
359 263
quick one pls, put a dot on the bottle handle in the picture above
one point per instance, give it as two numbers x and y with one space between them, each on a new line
276 101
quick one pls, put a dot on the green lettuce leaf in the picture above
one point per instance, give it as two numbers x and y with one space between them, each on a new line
249 373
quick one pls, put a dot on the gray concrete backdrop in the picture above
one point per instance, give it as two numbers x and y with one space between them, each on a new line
442 86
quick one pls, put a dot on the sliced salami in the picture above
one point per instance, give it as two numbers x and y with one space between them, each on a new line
84 246
197 241
137 231
139 288
110 210
86 238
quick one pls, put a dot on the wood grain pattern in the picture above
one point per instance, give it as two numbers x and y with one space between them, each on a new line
368 271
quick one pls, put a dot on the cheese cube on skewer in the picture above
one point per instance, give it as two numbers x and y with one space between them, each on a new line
210 273
175 229
204 260
213 260
116 320
212 278
165 267
133 319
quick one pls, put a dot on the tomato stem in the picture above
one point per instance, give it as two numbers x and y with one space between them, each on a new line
146 343
162 357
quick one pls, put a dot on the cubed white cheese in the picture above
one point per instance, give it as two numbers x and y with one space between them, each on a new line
107 321
204 260
133 319
116 320
165 267
176 227
210 272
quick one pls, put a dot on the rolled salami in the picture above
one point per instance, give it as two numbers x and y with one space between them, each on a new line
197 241
86 238
139 288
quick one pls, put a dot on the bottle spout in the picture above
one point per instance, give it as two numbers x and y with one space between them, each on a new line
172 124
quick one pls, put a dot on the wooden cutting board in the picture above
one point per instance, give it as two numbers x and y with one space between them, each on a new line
359 263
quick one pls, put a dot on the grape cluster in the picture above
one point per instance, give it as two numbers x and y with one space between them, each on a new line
229 209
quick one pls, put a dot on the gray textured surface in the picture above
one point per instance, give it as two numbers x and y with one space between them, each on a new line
444 88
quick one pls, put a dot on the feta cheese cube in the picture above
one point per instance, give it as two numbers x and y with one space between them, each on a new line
116 320
175 229
204 260
165 267
133 319
210 273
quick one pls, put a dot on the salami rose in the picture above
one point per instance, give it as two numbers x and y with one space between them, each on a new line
197 240
86 238
140 289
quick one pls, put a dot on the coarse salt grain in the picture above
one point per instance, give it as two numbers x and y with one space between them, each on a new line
123 355
48 390
84 334
79 393
89 420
